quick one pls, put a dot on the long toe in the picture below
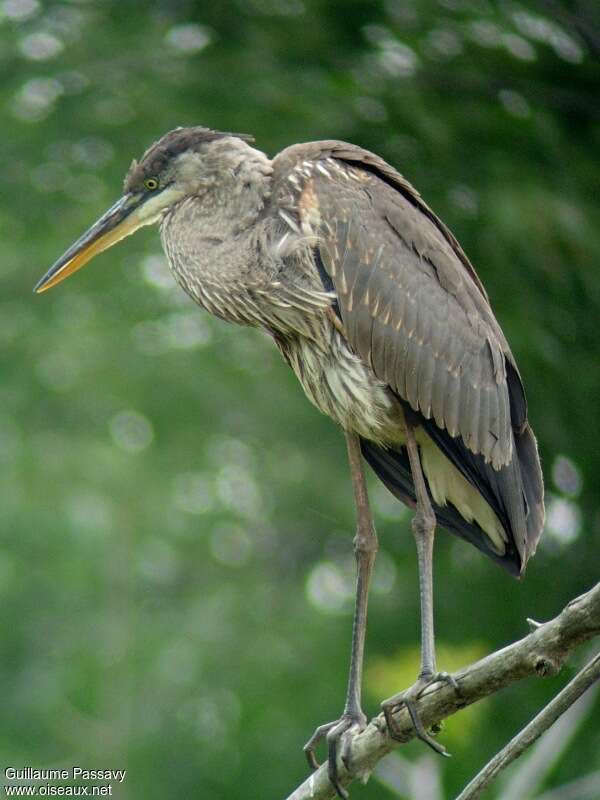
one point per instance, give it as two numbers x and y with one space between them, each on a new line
409 699
338 735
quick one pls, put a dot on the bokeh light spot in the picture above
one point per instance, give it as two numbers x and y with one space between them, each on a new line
566 475
155 272
36 98
485 33
192 492
131 431
19 10
563 520
465 199
89 513
518 47
384 574
370 109
238 491
551 33
58 370
187 39
443 43
514 103
329 589
158 561
40 46
231 545
92 152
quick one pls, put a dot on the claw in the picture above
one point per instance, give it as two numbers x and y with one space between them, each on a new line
409 699
309 748
338 733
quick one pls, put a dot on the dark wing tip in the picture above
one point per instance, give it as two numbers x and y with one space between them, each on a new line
392 467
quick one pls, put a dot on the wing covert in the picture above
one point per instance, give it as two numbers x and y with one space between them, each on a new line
409 305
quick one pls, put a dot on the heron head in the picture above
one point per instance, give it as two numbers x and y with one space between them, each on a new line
185 162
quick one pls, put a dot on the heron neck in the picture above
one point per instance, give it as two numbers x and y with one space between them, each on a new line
211 242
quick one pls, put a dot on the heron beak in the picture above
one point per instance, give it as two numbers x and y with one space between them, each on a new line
119 221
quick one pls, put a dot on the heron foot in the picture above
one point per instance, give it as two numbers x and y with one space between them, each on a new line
338 735
409 699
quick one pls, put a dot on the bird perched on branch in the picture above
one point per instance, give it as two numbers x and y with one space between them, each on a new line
374 305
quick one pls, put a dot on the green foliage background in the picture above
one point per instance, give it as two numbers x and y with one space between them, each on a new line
176 519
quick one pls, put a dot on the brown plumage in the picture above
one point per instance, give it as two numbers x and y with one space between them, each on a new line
380 314
414 309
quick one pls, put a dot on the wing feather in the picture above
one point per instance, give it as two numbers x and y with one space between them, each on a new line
483 434
413 307
432 317
451 405
439 391
379 342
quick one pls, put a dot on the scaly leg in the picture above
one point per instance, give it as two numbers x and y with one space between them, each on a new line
423 526
353 719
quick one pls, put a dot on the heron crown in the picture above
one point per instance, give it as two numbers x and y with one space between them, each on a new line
162 153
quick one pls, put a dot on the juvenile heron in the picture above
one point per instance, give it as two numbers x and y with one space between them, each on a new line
374 305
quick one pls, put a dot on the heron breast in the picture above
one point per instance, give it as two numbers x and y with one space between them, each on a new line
340 385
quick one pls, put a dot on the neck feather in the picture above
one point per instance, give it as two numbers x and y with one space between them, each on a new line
210 238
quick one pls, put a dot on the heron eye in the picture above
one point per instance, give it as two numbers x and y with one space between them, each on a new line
151 184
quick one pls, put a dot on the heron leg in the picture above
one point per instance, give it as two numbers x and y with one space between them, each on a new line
423 526
339 733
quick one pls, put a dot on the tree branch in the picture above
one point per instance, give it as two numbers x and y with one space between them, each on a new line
541 653
531 732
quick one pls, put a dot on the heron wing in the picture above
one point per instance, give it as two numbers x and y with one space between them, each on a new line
410 301
413 307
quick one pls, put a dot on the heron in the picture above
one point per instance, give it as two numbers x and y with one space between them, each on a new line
374 305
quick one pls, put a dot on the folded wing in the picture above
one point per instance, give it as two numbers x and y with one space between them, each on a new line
414 309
